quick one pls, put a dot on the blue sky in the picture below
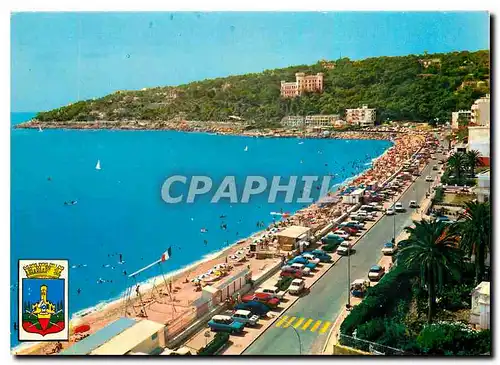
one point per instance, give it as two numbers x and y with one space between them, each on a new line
58 58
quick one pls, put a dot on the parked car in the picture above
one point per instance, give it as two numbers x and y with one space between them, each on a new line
274 291
306 271
435 167
245 317
353 224
296 286
221 323
389 248
311 258
376 206
343 249
398 207
390 211
333 240
321 255
268 300
429 178
253 306
303 261
376 272
292 273
182 351
342 234
352 231
359 287
413 204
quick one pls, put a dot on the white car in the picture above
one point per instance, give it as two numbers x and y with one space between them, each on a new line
389 248
274 292
398 207
245 317
342 234
343 248
429 178
296 286
305 270
413 204
390 211
311 258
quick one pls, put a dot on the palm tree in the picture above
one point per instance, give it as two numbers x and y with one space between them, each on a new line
431 250
456 163
475 231
472 160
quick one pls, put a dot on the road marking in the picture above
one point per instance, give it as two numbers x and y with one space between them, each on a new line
315 327
325 327
281 321
299 322
290 321
309 321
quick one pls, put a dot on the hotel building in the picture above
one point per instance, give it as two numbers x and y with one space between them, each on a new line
303 83
364 116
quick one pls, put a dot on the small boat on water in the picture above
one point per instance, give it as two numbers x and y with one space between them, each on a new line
40 129
246 149
301 142
98 165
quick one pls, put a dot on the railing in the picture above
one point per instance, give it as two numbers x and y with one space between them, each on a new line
371 347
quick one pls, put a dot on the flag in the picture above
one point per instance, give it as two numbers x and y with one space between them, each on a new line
166 255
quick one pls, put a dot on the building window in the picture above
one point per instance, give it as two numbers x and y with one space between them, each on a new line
155 336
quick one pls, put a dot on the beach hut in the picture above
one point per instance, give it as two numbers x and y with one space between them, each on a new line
288 238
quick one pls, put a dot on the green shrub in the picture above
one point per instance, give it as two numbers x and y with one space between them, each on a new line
453 339
371 330
215 345
455 297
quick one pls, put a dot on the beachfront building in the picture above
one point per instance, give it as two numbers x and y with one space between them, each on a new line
479 140
480 308
293 121
289 238
483 187
461 115
363 116
309 121
303 83
481 111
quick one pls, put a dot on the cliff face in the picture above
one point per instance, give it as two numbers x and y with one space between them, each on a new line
414 87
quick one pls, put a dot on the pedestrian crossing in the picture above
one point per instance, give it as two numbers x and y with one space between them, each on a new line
304 324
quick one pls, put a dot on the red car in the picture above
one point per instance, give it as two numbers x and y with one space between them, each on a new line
296 274
263 298
350 230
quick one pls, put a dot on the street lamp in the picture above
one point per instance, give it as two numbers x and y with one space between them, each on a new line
348 306
298 336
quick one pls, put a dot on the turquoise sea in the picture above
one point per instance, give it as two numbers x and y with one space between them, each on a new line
119 208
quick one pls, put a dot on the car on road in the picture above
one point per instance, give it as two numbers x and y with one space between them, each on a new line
398 207
221 323
440 162
413 204
296 286
292 273
429 178
246 317
389 249
268 300
253 306
344 249
311 258
303 261
376 272
435 167
321 255
274 291
390 211
342 234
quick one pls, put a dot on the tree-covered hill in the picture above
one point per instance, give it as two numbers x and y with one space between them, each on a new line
400 88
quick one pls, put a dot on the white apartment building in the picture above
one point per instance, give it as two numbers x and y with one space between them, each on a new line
483 187
481 111
319 120
455 117
363 116
479 139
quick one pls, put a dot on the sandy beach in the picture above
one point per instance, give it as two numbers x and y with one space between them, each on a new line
172 298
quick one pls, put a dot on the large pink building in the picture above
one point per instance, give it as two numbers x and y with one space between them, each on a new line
303 83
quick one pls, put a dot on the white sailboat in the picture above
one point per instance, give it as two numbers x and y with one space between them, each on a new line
246 149
40 129
98 166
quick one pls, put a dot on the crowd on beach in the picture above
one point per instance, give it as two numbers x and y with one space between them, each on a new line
187 285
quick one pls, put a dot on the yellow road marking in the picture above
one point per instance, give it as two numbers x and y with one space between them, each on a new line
315 327
325 327
290 321
309 321
299 322
281 321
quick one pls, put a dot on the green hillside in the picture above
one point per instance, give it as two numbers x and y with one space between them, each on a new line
400 88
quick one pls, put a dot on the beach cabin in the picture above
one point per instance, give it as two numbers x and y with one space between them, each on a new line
289 238
480 310
355 197
217 293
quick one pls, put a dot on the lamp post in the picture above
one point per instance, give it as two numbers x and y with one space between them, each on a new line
348 277
298 336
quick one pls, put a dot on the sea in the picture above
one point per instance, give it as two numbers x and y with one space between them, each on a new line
119 209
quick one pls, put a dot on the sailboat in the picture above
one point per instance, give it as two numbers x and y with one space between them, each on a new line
98 166
40 129
246 148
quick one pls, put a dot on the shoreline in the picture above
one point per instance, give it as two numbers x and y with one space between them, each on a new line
112 304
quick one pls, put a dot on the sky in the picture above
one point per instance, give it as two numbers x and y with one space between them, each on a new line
60 58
